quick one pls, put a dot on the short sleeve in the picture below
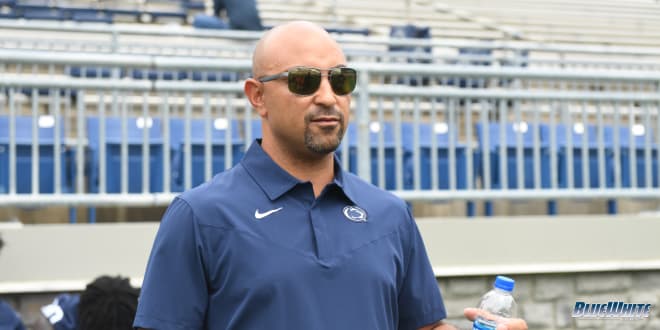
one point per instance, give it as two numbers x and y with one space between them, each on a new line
174 294
420 301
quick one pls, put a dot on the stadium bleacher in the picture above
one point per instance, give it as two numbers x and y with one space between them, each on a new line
586 22
83 11
535 108
482 66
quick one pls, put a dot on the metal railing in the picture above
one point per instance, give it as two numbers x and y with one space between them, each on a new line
433 142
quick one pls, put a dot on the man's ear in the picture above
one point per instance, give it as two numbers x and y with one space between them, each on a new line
254 92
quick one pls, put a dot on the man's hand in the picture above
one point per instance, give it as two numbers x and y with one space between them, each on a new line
502 323
472 313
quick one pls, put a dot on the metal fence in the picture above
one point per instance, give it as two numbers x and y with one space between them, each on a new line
516 133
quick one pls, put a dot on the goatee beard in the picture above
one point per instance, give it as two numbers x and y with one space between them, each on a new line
318 144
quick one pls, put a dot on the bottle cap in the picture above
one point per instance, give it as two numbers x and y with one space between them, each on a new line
504 283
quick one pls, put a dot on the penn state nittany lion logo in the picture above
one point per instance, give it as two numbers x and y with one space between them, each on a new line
355 214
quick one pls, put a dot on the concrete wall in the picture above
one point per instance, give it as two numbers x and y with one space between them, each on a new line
546 301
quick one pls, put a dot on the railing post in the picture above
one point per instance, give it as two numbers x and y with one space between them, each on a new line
114 40
362 116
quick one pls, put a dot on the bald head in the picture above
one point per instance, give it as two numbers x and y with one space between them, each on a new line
286 44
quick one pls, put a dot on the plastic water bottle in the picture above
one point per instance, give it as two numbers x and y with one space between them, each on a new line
498 302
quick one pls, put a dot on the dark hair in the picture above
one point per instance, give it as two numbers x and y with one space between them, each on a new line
2 243
108 303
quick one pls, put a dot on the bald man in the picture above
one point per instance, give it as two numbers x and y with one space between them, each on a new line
287 239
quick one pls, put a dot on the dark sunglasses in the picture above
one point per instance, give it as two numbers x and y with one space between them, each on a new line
306 81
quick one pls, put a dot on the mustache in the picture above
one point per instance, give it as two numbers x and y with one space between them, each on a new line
324 112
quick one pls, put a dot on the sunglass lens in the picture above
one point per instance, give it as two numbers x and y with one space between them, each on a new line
304 81
343 80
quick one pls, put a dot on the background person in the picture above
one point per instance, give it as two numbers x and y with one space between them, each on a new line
108 303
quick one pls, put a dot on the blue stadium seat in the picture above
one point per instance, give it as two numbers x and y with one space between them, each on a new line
23 138
8 10
151 74
156 16
493 149
39 12
592 153
475 56
511 163
197 134
9 14
92 72
639 150
347 30
426 134
90 15
389 151
113 139
202 21
213 76
27 91
592 145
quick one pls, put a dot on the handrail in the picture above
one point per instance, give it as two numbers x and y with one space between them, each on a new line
638 107
64 82
187 63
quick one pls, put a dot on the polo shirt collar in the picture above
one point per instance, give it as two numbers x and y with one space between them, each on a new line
275 181
345 182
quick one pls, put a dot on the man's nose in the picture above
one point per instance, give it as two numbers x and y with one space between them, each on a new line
325 95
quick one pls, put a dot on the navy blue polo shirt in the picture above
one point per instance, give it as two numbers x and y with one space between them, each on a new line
254 249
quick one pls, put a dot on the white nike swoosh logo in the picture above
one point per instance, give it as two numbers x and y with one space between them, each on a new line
265 214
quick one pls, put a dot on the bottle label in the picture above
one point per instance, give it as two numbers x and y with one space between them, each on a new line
481 324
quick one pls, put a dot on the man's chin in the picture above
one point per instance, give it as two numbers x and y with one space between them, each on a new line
323 144
322 148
